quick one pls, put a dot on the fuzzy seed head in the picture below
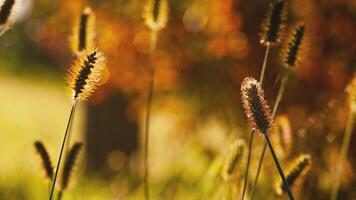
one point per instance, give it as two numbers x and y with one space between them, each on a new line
234 159
282 135
255 105
45 158
156 14
6 10
83 34
84 76
293 49
69 164
297 170
273 24
351 89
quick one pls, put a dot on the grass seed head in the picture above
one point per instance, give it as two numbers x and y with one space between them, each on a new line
233 160
6 10
69 164
156 14
45 158
292 52
84 76
255 105
273 24
82 37
297 170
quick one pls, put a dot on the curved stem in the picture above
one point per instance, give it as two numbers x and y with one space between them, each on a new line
62 148
344 150
148 115
286 185
264 64
274 112
250 142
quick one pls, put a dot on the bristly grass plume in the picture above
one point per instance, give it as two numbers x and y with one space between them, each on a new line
273 24
156 14
83 33
292 51
69 165
232 164
297 170
84 76
255 105
5 11
45 158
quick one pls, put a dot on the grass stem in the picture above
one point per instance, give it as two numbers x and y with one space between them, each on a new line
148 115
250 142
286 185
274 112
344 150
264 65
62 148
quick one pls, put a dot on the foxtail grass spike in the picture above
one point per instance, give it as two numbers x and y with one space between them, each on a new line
45 158
273 24
233 160
282 135
156 14
69 165
292 52
298 169
83 34
84 76
6 10
255 105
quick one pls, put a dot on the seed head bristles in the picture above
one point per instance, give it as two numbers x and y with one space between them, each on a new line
282 135
84 76
297 170
255 105
351 89
233 160
69 165
83 34
291 55
5 11
156 14
273 24
45 158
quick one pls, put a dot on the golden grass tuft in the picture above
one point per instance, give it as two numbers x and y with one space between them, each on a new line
298 169
233 161
45 158
156 14
292 52
282 135
69 165
84 76
273 24
83 33
255 105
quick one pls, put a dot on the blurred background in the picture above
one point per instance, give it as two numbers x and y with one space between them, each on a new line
201 58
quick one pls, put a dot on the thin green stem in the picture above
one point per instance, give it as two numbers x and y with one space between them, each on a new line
344 150
250 142
62 148
274 112
253 189
148 115
264 65
281 173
